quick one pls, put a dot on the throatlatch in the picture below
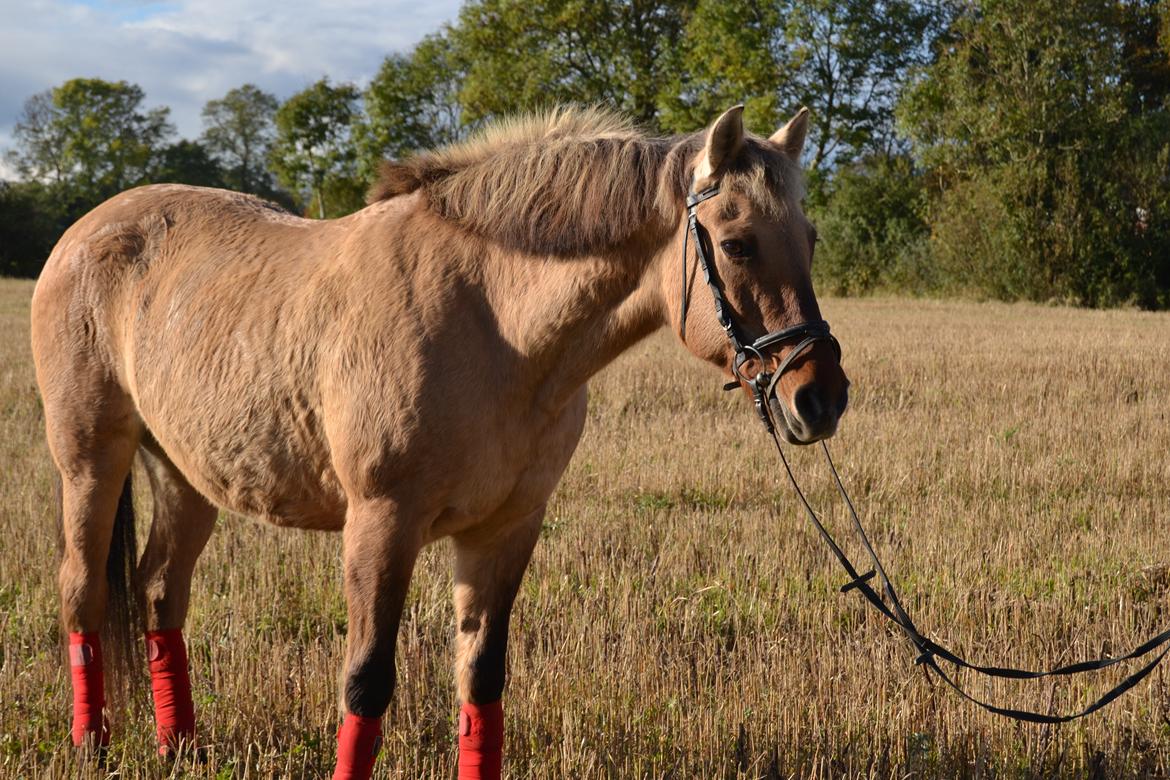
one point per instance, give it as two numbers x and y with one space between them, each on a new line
929 653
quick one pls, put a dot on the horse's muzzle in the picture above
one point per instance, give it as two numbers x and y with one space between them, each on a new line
812 414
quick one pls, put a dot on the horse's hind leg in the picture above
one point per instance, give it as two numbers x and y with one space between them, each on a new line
488 571
92 439
183 522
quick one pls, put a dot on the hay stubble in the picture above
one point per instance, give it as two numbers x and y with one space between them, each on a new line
679 619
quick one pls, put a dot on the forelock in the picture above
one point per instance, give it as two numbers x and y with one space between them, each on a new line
768 178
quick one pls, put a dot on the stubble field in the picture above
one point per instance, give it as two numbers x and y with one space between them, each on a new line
680 619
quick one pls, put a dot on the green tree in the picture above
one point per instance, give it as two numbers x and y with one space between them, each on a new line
525 56
1164 29
40 138
873 230
412 103
850 58
314 150
189 162
238 130
29 224
93 138
1145 39
843 59
1049 158
728 55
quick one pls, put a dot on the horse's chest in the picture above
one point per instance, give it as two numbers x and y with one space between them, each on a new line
549 458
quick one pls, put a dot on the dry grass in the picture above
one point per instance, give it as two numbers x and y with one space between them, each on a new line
679 619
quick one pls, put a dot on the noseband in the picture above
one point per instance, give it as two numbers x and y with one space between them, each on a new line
806 334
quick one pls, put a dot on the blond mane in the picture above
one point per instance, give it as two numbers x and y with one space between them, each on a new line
572 181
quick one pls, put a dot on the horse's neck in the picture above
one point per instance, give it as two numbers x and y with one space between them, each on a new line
569 318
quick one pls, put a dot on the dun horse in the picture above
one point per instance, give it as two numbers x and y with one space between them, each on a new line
414 371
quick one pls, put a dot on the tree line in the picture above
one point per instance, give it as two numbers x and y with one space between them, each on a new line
1015 149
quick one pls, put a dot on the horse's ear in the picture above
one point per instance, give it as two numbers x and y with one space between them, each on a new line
724 141
790 138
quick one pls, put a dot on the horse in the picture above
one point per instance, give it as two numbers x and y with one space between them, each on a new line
414 371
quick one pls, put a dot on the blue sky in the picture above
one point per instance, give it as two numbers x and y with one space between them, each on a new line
186 52
127 10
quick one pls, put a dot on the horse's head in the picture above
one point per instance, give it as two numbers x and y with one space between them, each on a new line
753 236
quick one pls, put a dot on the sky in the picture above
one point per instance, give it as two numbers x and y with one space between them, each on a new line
186 52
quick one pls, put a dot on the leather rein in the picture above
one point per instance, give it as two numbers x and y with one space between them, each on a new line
763 388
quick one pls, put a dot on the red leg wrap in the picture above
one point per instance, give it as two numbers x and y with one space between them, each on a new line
358 743
89 694
481 741
170 682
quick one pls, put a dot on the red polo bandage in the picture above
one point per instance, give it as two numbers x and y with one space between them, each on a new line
481 741
358 742
89 694
174 713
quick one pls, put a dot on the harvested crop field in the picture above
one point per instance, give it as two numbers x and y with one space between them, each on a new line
680 619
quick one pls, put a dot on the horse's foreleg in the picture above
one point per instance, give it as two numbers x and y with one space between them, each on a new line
183 522
379 551
488 570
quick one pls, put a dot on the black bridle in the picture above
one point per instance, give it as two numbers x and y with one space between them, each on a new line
763 384
763 387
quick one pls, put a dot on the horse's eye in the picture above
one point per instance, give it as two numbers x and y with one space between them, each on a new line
734 248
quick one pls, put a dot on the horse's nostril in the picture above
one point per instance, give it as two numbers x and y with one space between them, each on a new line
809 405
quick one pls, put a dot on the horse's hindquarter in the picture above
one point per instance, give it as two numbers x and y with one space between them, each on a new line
215 323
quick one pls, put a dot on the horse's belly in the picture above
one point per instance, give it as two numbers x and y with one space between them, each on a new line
223 377
251 471
249 445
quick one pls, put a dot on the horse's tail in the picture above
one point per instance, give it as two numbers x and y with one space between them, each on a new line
124 626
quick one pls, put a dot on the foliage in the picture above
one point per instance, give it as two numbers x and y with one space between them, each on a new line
412 103
188 162
28 227
314 148
726 57
238 132
1049 154
843 59
872 229
92 137
525 56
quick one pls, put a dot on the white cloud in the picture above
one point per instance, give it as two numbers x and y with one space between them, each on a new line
187 52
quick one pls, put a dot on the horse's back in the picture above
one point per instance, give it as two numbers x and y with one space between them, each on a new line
146 236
